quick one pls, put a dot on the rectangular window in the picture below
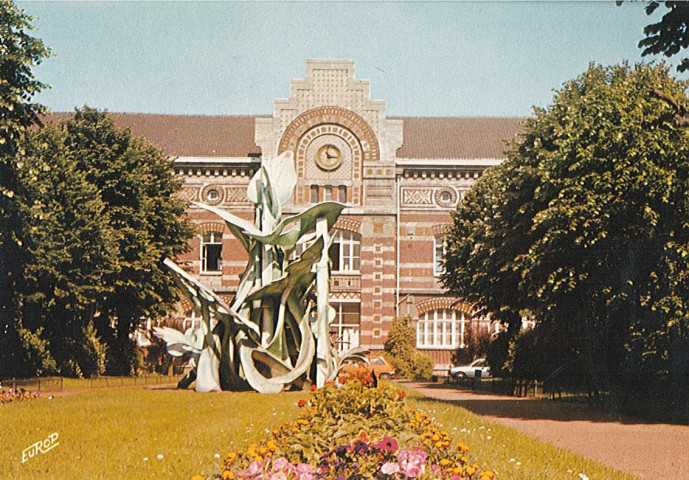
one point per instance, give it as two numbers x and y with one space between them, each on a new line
439 251
314 193
344 330
342 194
211 252
328 193
345 252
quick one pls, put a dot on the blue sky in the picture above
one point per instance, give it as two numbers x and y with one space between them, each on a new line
235 58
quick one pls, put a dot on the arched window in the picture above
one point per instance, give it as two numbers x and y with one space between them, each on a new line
441 328
211 252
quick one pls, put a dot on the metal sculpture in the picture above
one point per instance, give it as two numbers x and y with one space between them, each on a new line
275 333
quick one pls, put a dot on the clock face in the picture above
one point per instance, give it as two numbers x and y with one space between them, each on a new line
328 157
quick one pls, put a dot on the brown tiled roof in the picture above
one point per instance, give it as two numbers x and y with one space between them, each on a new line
457 137
189 135
233 136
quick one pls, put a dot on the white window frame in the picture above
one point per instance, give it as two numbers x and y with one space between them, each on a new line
347 333
214 238
439 252
442 328
348 243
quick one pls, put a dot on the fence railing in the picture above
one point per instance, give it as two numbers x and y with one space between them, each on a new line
501 386
58 384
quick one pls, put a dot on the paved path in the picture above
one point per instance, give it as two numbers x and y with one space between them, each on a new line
649 450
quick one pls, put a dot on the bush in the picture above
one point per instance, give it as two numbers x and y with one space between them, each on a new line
37 358
400 351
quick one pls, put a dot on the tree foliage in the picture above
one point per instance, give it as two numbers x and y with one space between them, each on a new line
669 35
100 215
584 226
19 52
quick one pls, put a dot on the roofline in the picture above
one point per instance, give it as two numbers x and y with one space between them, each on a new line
218 160
448 162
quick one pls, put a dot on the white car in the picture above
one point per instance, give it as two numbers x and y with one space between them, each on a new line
477 368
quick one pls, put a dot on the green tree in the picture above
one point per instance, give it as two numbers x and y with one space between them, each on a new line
146 218
101 213
69 248
19 52
585 225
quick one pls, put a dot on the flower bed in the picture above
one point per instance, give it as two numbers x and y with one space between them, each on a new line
19 395
354 430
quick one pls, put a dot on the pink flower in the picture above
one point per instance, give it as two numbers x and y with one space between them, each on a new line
305 472
390 468
387 443
412 462
255 468
278 476
281 463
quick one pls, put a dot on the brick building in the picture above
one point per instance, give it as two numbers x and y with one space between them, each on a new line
401 176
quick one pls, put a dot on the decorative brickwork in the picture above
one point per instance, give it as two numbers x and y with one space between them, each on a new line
349 224
212 194
441 229
336 116
442 302
212 227
236 196
189 193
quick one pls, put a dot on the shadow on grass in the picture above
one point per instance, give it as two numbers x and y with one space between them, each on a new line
504 406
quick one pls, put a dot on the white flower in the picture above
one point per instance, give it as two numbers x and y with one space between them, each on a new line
160 456
145 459
217 455
583 477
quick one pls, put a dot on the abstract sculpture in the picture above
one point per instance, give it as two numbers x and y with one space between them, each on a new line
275 334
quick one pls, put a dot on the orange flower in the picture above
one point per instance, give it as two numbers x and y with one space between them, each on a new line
313 388
401 394
301 403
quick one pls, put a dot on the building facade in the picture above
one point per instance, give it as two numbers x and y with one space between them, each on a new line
401 178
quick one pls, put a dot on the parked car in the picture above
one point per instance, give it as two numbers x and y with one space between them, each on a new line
378 365
477 368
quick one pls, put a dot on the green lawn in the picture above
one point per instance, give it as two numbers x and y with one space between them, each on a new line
107 434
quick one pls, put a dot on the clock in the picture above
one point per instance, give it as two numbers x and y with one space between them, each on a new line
328 157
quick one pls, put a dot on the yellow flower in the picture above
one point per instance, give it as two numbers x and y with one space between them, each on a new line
197 477
227 475
230 457
301 421
445 462
462 448
272 446
470 470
